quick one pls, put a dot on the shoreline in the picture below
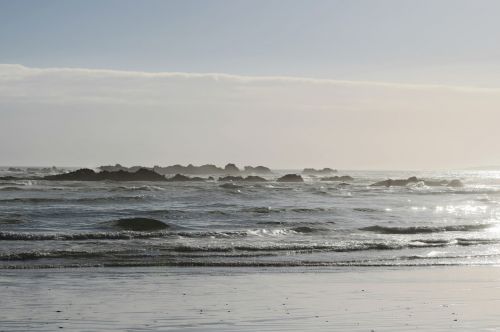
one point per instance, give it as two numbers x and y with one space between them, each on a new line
247 299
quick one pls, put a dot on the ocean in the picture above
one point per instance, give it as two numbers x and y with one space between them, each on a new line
68 224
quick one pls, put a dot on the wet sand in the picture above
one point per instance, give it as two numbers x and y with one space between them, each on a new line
200 299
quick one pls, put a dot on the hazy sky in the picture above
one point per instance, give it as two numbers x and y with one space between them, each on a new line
346 84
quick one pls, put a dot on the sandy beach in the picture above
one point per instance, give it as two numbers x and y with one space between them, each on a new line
219 299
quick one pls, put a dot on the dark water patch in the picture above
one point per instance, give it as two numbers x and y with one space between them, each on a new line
309 229
425 229
34 255
263 210
266 210
11 188
139 224
32 200
26 236
24 188
473 242
309 210
219 212
321 192
367 210
270 223
431 241
11 221
230 186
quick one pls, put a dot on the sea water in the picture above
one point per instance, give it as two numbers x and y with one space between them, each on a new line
45 224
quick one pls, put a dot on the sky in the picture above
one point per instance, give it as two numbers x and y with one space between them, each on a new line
289 84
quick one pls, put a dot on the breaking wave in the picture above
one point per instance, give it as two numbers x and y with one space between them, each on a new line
426 229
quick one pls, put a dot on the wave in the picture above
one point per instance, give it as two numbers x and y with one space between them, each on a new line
11 188
73 200
230 186
25 236
137 188
265 210
32 255
17 187
426 229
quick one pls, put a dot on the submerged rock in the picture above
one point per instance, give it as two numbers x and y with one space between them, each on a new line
291 178
139 224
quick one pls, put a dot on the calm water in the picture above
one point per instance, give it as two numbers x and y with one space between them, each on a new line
67 224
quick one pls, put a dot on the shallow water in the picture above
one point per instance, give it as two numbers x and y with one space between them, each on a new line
315 223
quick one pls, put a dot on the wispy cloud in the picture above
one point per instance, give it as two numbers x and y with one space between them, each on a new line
278 120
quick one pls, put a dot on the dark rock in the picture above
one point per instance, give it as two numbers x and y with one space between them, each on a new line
253 178
86 174
139 224
413 179
83 174
114 168
250 178
342 178
142 174
291 178
231 169
180 177
257 170
455 183
14 169
324 171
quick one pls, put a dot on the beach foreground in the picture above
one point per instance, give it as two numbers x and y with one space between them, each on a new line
221 299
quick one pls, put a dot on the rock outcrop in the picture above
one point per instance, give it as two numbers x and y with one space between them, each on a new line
324 171
257 170
290 178
208 169
343 178
86 174
231 169
181 178
250 178
414 179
